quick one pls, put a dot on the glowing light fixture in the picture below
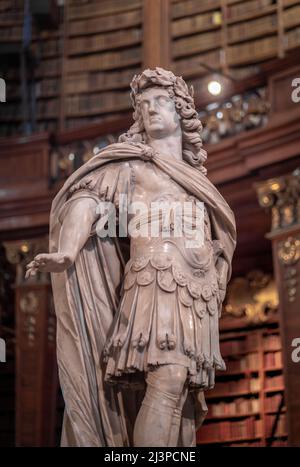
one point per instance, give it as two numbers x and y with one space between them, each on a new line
24 248
214 87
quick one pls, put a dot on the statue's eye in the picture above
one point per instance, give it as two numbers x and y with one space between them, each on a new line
163 100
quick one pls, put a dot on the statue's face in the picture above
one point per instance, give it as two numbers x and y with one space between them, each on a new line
159 113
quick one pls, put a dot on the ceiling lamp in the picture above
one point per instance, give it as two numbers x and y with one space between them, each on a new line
214 87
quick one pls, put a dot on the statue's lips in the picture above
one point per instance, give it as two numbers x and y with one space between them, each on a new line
155 120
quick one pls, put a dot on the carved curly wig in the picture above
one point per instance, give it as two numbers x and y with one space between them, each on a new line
191 126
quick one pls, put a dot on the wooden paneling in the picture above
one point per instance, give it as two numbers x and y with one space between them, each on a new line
36 382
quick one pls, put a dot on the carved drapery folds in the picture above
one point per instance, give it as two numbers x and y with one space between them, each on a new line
282 196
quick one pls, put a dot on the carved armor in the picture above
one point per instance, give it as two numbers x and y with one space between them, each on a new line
168 313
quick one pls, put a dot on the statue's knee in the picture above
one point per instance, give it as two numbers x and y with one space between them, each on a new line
169 379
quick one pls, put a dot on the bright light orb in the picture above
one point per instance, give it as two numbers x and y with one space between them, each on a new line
214 87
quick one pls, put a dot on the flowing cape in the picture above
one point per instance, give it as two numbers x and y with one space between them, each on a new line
86 300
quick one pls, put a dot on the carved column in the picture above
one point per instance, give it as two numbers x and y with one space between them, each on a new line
156 33
282 197
36 373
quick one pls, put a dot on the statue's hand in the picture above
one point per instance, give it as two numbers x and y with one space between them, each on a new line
48 262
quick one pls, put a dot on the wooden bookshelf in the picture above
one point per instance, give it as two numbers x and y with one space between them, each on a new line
102 52
244 404
95 50
182 8
98 47
244 33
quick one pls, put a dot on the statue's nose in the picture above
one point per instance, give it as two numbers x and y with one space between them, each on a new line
152 108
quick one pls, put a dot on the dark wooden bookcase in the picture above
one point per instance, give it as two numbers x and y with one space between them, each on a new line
246 407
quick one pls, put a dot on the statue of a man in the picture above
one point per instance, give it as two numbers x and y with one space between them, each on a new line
138 341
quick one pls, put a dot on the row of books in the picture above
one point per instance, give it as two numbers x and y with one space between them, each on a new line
48 68
249 344
273 359
196 44
46 125
48 108
10 128
291 17
293 38
108 23
46 48
11 15
273 402
94 43
11 111
98 81
242 405
245 7
11 33
192 65
97 103
190 25
8 5
257 444
281 428
272 342
191 7
247 362
273 382
73 122
47 87
105 61
236 386
252 51
105 7
250 29
228 430
233 347
239 406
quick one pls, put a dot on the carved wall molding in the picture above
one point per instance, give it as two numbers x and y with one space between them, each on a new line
288 252
29 307
252 297
237 114
282 197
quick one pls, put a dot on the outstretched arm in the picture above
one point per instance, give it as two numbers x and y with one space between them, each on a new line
74 233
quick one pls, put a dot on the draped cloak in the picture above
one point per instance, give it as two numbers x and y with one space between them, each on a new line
86 299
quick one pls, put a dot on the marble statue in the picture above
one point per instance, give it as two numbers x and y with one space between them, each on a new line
138 337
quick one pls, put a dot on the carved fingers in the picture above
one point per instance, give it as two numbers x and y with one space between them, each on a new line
48 262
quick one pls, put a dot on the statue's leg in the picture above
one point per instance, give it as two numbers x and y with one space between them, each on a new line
158 421
177 418
187 433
